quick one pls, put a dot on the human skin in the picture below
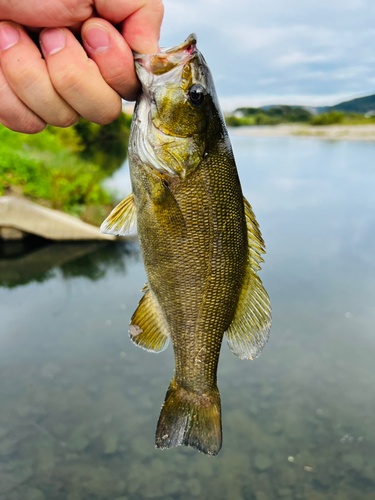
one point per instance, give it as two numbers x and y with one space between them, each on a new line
64 79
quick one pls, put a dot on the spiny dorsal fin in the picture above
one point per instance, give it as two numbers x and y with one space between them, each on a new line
147 328
250 328
121 221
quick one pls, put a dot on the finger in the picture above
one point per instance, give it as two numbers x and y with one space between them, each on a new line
14 114
26 73
38 14
107 47
141 28
77 78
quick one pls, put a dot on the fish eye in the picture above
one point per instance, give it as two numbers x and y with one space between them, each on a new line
196 94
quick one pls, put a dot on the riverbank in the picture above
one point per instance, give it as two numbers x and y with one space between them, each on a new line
64 169
329 132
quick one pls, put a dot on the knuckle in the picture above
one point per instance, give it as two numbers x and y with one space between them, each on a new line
24 74
33 125
66 120
76 11
109 115
115 76
29 126
36 129
15 115
68 79
71 121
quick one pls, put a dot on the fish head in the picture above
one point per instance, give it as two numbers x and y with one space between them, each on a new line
174 111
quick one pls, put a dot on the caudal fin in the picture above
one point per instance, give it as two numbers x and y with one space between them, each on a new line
190 419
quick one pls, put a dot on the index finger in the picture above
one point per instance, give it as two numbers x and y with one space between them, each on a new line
52 14
141 21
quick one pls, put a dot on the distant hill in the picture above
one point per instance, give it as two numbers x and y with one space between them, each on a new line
361 105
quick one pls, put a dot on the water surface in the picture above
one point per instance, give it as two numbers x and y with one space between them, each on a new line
79 402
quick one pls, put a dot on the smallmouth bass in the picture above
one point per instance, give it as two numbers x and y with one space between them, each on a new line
200 242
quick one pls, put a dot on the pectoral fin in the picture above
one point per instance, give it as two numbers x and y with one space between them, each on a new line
147 328
122 220
166 208
249 330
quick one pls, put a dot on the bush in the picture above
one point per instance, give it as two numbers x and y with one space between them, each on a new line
47 167
331 118
64 168
233 121
268 116
107 145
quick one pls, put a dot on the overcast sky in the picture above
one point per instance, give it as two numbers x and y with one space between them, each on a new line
311 52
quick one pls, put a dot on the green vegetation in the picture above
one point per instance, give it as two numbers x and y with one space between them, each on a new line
293 114
337 117
64 168
106 146
272 116
331 118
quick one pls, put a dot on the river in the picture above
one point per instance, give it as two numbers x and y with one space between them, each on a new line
79 402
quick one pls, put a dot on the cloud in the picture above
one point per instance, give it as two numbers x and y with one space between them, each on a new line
281 50
297 58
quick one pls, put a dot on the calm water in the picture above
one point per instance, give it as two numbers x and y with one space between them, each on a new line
79 402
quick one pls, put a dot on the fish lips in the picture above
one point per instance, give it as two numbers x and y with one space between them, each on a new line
166 65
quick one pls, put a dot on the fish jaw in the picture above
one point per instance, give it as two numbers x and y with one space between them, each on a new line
166 65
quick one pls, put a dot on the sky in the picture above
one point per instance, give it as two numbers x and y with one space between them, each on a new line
306 52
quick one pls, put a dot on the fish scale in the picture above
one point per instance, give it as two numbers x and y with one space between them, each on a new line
199 240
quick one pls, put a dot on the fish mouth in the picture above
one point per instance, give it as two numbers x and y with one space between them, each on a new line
149 65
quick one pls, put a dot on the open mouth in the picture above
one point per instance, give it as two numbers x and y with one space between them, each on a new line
167 59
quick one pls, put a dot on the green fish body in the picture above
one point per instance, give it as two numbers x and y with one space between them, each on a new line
199 239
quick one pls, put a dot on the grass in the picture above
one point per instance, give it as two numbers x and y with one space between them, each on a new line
61 168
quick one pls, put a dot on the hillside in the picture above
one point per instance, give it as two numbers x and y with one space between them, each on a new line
361 105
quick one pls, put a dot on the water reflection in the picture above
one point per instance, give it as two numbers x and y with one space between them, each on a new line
79 402
34 259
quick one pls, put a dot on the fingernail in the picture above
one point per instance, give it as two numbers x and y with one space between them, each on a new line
9 36
97 39
52 41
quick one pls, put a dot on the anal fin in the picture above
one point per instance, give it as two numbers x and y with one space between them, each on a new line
121 221
147 328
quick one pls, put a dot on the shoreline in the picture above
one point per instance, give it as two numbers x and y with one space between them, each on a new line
325 132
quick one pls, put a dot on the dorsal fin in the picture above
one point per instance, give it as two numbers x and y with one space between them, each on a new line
255 240
122 220
147 328
249 330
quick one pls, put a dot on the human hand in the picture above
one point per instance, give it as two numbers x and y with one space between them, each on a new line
71 80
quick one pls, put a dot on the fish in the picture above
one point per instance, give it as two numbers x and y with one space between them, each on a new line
199 239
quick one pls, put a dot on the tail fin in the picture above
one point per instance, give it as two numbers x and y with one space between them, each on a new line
190 419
